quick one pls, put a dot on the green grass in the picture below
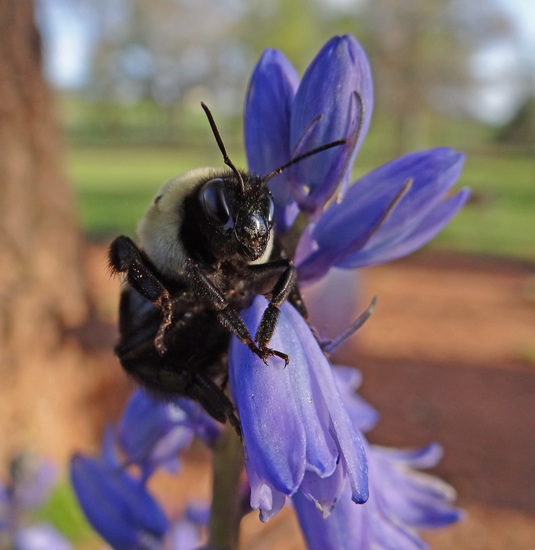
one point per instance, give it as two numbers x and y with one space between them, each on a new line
114 185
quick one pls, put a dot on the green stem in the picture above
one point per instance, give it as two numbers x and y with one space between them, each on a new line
226 510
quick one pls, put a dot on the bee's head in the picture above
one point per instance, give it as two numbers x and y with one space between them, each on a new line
241 206
240 210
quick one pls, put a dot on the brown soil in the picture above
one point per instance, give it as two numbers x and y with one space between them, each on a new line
448 356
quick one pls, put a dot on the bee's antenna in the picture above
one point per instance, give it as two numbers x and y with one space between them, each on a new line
278 170
217 136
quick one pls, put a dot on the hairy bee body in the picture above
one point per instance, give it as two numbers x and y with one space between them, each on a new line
206 249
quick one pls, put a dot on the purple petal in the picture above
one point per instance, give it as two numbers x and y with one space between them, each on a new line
273 431
420 233
332 301
118 506
345 228
296 432
338 86
369 226
363 416
152 432
263 496
347 438
183 535
426 457
267 128
189 532
401 500
204 426
419 500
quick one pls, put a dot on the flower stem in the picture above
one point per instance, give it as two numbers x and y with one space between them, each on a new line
226 510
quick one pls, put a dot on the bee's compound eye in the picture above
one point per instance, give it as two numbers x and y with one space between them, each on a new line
214 201
271 211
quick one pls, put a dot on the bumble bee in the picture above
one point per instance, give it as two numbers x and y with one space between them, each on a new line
206 249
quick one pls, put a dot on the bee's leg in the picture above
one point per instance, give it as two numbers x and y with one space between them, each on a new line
281 291
125 257
269 275
227 316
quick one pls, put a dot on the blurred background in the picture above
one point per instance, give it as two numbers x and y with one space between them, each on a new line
101 105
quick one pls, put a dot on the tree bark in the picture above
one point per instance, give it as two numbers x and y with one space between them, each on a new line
42 290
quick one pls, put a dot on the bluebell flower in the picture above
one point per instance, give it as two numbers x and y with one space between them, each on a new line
384 215
122 510
118 505
402 501
152 432
297 434
285 118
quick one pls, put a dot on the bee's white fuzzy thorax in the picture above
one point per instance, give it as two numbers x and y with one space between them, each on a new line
159 230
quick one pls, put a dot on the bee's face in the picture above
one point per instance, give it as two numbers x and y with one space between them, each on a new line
243 219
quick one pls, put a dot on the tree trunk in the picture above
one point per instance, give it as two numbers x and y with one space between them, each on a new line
42 291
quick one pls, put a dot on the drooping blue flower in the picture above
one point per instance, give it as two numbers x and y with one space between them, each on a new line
152 432
402 501
118 505
297 434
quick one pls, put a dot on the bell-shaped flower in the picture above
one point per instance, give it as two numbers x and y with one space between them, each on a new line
334 101
118 506
386 214
152 432
297 434
402 501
